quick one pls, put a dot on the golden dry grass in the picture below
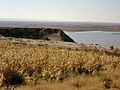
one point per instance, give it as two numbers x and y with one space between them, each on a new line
51 68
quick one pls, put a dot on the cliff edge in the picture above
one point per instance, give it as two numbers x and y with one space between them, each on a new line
36 33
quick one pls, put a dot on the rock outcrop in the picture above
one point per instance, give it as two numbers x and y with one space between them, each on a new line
36 33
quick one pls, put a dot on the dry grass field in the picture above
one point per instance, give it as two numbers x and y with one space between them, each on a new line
41 67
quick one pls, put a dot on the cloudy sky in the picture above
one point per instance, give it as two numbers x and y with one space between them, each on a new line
62 10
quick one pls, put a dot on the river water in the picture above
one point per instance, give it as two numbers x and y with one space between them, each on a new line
106 39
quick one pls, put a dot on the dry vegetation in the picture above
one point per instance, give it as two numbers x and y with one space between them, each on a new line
41 67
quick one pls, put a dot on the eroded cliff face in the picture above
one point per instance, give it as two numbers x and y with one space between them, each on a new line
36 33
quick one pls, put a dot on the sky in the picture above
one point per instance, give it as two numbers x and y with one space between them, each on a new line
61 10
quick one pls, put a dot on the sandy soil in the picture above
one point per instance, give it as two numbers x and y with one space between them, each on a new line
42 42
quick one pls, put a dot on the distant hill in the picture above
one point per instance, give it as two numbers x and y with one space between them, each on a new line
66 26
36 33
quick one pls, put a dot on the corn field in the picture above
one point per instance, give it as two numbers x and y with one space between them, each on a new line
29 65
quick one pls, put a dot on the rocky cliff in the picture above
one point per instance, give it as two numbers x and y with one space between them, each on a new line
36 33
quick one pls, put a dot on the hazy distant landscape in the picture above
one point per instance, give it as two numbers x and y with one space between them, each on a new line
67 26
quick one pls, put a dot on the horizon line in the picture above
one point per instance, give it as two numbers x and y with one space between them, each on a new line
40 20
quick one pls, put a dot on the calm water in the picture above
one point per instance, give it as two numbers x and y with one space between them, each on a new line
96 37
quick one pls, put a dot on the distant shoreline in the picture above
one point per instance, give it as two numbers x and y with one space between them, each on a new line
66 26
60 28
93 30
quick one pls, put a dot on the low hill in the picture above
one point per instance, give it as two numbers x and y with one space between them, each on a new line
36 33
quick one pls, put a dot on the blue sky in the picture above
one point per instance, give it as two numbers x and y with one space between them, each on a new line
63 10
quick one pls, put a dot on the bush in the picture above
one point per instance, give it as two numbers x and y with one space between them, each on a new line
11 77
